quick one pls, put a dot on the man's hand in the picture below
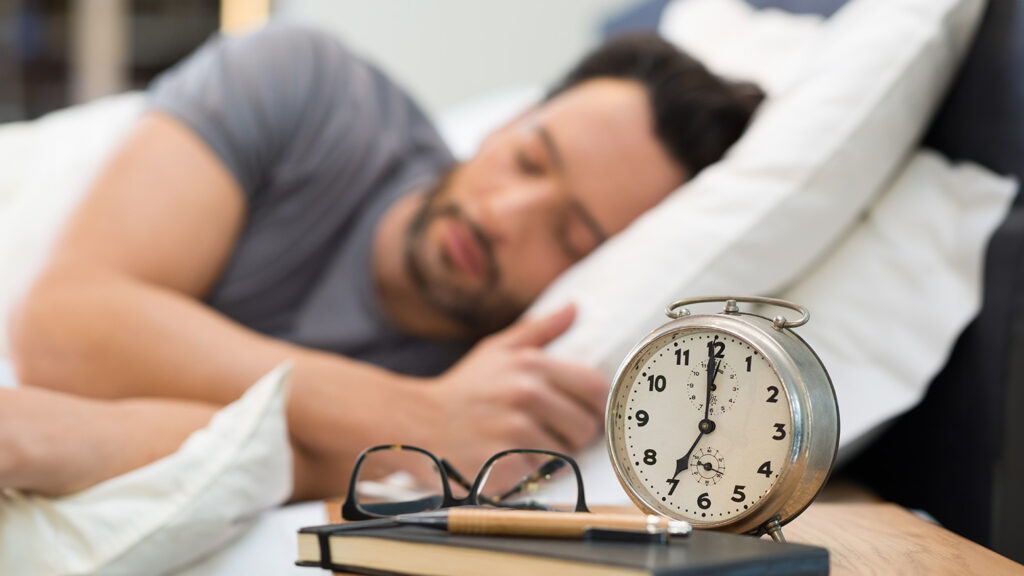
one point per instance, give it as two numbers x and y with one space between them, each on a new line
507 393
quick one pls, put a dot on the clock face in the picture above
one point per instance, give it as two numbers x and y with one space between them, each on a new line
702 427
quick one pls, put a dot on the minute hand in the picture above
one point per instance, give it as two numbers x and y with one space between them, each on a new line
706 426
712 372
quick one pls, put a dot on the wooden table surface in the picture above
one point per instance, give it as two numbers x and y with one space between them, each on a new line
883 538
864 535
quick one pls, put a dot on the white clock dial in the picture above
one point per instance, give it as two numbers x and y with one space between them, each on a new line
703 425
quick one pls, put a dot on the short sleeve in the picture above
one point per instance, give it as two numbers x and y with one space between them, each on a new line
248 97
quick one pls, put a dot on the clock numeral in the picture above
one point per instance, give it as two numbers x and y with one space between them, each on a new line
650 457
642 418
766 469
774 397
749 358
780 432
657 383
682 357
737 493
716 349
674 482
703 501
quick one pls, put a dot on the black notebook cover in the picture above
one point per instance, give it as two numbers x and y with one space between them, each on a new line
702 552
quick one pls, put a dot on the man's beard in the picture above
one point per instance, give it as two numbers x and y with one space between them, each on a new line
467 307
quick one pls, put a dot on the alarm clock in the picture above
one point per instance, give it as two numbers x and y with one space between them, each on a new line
728 421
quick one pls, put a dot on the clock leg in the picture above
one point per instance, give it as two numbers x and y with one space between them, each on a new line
773 529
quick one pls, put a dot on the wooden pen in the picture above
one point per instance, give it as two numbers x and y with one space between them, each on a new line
503 522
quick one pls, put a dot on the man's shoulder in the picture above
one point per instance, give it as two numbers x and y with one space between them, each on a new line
292 40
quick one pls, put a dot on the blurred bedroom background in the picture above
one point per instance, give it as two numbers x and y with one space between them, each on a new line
54 53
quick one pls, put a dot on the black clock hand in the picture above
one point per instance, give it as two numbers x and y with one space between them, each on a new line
684 462
706 426
707 466
712 371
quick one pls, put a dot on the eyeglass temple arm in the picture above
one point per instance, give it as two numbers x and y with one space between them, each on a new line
549 467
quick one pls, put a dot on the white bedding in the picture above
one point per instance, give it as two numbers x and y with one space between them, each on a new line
267 548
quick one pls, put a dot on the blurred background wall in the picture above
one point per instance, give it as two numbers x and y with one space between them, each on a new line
58 52
447 50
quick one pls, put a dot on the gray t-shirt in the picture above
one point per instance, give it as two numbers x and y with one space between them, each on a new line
321 144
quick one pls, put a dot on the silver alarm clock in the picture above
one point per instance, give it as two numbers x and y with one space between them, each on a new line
728 420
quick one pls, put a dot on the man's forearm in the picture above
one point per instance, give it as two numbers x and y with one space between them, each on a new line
103 335
56 444
100 334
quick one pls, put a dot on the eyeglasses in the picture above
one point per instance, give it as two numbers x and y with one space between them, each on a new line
396 479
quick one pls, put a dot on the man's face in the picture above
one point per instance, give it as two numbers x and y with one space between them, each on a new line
541 193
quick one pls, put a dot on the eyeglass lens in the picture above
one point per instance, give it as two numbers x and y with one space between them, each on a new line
399 482
529 480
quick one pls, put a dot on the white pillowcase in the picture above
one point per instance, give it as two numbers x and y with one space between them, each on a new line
168 514
889 303
843 113
769 47
814 157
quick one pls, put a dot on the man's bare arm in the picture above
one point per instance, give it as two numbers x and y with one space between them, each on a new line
55 444
117 312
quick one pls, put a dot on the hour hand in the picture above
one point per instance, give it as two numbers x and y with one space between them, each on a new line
684 462
681 465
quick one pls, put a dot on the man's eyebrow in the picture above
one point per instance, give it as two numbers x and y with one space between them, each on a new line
549 144
588 220
556 158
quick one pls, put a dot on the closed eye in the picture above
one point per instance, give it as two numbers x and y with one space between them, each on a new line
528 166
570 251
570 247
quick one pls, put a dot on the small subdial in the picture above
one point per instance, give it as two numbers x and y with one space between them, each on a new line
723 391
707 466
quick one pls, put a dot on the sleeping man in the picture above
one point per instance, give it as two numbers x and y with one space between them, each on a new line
282 199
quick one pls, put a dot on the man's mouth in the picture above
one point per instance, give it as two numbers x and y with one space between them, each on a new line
462 251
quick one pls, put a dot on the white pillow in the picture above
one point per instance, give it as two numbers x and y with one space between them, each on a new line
814 157
834 130
889 303
168 514
48 165
736 40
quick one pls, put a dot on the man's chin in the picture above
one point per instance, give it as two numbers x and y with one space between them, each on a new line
472 314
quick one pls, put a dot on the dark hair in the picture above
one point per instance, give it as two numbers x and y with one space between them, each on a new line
697 115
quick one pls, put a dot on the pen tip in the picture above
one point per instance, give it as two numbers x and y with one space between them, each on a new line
679 528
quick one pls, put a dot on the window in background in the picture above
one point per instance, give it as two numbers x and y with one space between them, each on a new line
54 53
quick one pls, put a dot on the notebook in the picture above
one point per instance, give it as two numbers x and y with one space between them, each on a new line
384 548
